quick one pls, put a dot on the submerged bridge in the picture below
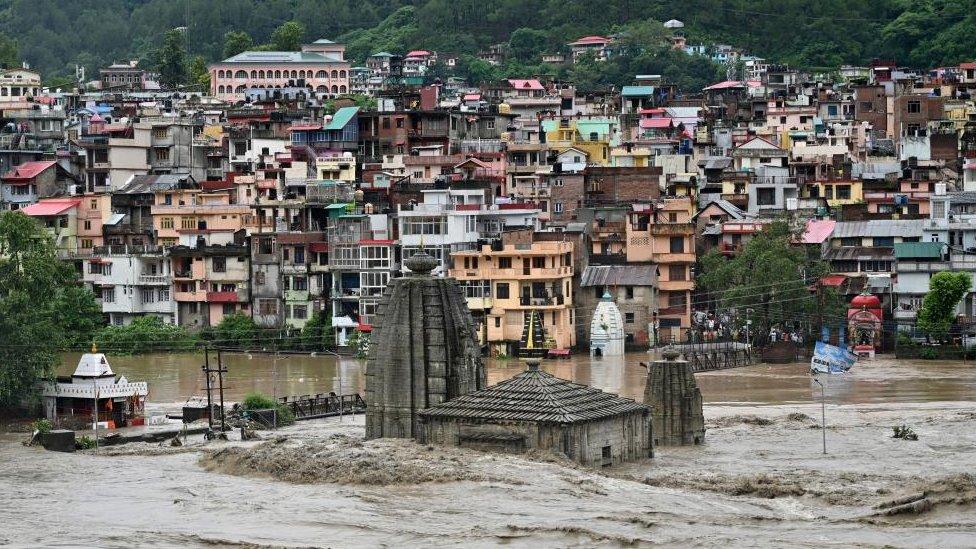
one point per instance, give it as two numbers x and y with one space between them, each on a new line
720 355
324 405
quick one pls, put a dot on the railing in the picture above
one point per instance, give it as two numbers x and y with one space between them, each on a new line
541 301
316 406
153 279
672 228
127 249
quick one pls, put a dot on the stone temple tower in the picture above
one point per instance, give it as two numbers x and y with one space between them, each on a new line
607 329
422 351
675 400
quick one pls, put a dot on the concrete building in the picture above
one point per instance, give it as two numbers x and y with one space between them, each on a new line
422 352
211 279
538 411
519 277
633 290
320 67
16 85
59 217
28 182
131 281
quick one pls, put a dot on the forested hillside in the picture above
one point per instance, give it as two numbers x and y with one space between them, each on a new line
54 35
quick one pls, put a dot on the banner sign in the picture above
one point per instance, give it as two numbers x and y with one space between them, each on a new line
828 359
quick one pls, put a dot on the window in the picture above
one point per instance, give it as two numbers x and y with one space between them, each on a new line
161 153
629 292
267 307
188 223
259 277
504 262
160 132
677 244
501 290
629 318
299 283
399 122
425 225
677 272
498 322
766 197
914 107
108 295
843 192
148 295
299 312
166 223
850 241
884 241
676 299
164 294
375 257
87 243
557 207
220 264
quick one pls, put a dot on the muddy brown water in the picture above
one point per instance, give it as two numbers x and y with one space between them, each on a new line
173 378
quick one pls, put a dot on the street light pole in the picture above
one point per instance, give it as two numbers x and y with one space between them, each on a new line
823 414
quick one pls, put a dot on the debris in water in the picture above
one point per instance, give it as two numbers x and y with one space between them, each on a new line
904 432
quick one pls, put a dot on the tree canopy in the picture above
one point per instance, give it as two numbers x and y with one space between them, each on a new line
938 311
54 35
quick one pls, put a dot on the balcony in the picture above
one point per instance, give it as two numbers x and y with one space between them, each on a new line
674 258
154 280
669 229
675 285
554 301
224 297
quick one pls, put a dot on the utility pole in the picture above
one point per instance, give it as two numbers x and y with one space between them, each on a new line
220 371
220 382
206 375
823 414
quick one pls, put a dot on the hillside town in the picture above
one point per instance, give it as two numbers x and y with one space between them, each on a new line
301 183
338 294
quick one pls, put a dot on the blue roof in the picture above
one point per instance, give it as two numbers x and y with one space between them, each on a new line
637 90
341 118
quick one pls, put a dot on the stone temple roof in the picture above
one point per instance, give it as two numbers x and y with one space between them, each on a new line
535 395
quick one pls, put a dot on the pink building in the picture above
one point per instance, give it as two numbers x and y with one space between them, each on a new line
320 67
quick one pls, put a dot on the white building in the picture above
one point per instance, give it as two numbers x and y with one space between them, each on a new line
132 281
453 220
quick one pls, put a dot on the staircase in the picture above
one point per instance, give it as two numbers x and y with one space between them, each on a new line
533 343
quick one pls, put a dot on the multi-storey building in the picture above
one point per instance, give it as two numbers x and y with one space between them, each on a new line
320 67
211 279
130 282
507 282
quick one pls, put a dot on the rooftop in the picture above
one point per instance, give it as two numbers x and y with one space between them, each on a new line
28 170
535 395
282 57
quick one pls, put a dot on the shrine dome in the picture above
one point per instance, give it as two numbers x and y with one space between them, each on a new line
865 301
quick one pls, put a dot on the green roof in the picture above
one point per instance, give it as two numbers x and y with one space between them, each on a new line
637 90
337 206
918 250
341 118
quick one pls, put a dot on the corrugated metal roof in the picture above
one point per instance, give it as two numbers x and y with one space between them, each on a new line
918 250
634 91
148 184
619 275
341 118
535 395
282 57
879 227
859 253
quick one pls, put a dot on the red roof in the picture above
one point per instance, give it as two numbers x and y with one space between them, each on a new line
655 123
54 206
525 84
590 41
27 171
472 97
969 65
306 127
418 53
833 280
652 111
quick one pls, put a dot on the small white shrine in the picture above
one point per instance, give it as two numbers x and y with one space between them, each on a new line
93 392
607 329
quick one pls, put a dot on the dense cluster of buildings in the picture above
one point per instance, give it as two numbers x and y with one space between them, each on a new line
276 196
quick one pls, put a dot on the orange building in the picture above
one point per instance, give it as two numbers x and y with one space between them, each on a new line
503 285
94 211
180 214
663 233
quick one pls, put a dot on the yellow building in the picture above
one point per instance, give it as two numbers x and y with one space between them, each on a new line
504 285
336 167
836 193
590 136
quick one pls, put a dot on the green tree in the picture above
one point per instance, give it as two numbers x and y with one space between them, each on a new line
146 334
772 277
237 330
77 315
171 59
527 44
9 53
236 42
317 335
938 311
199 73
288 36
31 278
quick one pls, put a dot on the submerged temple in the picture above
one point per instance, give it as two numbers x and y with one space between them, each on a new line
675 400
423 350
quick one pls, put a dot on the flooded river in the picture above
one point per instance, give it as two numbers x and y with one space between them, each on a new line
173 378
760 480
